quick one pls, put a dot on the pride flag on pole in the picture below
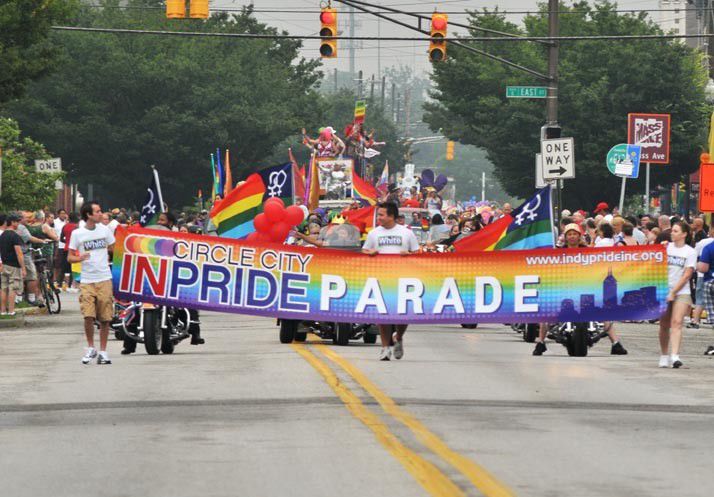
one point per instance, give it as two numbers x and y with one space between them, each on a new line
529 226
362 190
360 111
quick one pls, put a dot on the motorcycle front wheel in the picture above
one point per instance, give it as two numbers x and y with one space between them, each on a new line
153 336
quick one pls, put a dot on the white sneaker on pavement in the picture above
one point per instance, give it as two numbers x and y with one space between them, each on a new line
90 354
385 354
398 347
664 361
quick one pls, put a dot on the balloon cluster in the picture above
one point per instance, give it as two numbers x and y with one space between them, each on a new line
276 221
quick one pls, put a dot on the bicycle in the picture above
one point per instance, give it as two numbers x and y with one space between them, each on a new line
45 281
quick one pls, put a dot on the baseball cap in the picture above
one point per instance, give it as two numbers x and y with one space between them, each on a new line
602 206
572 227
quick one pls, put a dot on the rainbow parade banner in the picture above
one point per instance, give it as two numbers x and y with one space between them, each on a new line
219 274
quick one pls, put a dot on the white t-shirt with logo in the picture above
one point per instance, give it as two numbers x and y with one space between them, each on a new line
94 242
678 259
59 224
396 240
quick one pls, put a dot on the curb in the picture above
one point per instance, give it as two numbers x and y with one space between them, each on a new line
18 322
31 311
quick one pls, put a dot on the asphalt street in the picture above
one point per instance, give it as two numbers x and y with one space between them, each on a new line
466 412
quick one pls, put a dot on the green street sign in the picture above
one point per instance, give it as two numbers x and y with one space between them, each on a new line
526 92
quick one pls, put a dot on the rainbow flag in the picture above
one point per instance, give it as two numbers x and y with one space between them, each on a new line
360 111
312 190
233 216
529 226
362 190
229 177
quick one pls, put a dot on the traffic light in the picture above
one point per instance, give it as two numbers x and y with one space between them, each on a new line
175 9
199 9
328 32
449 150
437 48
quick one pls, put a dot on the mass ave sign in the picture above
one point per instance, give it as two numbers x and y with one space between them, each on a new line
558 158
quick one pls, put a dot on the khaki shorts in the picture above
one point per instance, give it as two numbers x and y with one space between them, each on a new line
686 298
96 300
12 279
31 269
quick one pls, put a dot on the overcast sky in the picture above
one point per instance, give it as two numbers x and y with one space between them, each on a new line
304 20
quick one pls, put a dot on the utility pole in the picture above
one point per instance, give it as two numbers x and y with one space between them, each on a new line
552 100
384 83
352 42
379 47
371 90
335 80
394 101
407 114
359 85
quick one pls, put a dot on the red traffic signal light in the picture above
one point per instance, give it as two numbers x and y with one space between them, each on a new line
437 46
328 32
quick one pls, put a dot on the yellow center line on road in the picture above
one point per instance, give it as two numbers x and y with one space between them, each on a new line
477 475
426 474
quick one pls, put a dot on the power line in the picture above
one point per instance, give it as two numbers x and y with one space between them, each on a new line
449 12
382 38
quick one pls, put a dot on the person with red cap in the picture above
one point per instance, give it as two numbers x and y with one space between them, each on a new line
604 210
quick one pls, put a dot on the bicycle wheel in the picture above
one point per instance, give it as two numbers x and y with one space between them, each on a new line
51 294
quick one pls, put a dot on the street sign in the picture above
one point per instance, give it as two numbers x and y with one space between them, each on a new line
623 160
558 158
540 182
651 132
526 92
49 165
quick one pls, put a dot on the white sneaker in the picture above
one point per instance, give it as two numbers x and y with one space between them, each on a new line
398 347
385 354
90 354
664 361
103 358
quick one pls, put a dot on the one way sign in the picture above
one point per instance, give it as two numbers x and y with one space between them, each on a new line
558 158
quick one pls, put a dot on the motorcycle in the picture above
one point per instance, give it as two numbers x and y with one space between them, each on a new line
340 333
577 338
159 328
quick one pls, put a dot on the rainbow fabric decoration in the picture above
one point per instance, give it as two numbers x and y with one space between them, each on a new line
362 190
202 272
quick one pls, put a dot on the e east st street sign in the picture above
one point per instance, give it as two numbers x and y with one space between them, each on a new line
526 92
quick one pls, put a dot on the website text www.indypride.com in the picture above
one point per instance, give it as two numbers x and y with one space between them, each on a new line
586 259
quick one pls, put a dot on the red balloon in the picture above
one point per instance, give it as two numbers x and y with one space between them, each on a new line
262 237
295 215
274 200
274 212
279 232
261 223
253 237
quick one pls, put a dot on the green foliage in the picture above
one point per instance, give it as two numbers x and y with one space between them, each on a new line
22 187
119 103
26 52
600 83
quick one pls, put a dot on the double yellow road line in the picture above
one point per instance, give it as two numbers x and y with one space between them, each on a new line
428 475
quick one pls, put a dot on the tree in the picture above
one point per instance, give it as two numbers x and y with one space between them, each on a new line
26 53
119 103
600 83
22 187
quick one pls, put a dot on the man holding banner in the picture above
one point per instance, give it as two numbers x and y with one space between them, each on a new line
390 238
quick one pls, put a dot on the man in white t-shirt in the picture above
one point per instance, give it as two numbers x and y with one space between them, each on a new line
390 238
91 245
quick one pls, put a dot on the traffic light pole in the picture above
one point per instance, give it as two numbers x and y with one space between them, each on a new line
552 100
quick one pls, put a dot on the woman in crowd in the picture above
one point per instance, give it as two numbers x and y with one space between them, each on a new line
681 261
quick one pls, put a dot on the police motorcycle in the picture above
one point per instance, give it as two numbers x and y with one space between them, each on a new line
577 338
340 236
159 328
